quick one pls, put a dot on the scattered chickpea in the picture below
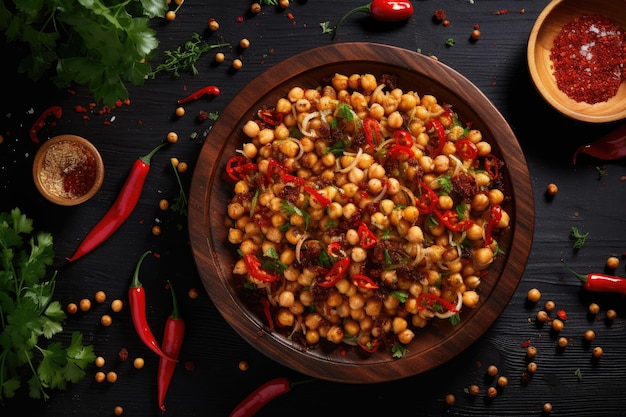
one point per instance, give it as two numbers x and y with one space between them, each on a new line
255 8
557 325
503 381
213 25
283 3
138 363
474 389
589 335
192 293
172 137
475 34
117 305
164 204
562 342
612 262
219 57
72 308
174 162
170 15
182 167
237 63
532 367
547 408
243 366
552 189
492 370
534 295
244 43
106 320
111 376
531 352
549 305
492 392
118 410
611 314
85 304
180 111
450 399
597 352
100 376
594 308
156 230
542 316
100 297
99 362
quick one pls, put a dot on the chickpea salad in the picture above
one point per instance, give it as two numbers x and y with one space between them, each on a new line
361 212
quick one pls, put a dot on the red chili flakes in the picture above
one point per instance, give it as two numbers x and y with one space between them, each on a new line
440 15
80 109
239 19
123 354
290 16
526 343
502 11
561 314
190 366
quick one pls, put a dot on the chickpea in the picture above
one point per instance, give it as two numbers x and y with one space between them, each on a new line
557 325
474 389
118 410
502 381
589 335
611 314
72 308
117 305
85 304
547 408
111 376
531 352
138 363
220 57
552 189
470 298
562 342
612 262
549 305
106 320
597 352
542 316
531 367
244 43
594 308
100 376
243 366
533 295
213 25
99 362
450 399
164 204
172 137
492 392
237 63
492 370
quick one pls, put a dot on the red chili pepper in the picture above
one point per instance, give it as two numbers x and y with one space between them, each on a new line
208 90
121 208
238 167
492 166
267 311
371 128
363 281
367 238
371 346
335 248
466 149
598 282
440 132
54 111
495 215
286 178
609 146
253 264
338 271
403 138
173 335
428 199
383 11
428 300
397 150
322 201
275 168
451 220
271 117
137 304
273 388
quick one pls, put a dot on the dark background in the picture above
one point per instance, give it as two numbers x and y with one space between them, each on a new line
207 380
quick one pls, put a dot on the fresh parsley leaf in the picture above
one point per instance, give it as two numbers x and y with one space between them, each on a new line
398 351
326 27
579 238
270 2
578 374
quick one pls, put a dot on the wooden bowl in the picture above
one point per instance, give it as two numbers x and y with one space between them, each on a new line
557 14
68 170
210 193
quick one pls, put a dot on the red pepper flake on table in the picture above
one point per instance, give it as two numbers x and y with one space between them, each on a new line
589 58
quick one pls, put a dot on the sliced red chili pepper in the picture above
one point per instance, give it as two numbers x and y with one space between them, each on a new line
267 312
371 128
492 166
335 249
403 138
275 168
561 314
428 199
337 272
371 346
363 281
253 265
428 300
440 132
495 215
292 178
466 149
323 201
367 238
270 116
397 150
208 90
52 111
238 167
450 219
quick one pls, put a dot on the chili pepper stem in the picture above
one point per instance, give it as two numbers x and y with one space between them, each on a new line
147 157
364 9
581 277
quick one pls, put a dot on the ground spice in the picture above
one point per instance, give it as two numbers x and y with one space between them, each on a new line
69 170
589 58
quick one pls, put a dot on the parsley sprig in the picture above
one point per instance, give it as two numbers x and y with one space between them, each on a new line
578 237
29 315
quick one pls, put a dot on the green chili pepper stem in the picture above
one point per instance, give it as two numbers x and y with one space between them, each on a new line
146 158
581 277
175 314
364 9
136 283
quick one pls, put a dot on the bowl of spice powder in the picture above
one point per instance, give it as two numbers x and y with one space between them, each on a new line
68 170
577 58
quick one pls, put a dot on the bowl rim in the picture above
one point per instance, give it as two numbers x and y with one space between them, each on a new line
531 60
206 246
38 162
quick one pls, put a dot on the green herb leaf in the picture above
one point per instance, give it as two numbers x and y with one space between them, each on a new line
326 27
398 351
579 238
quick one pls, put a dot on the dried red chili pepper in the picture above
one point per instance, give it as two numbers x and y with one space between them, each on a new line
495 215
238 167
122 207
367 238
371 128
253 265
451 220
208 90
363 281
271 389
383 11
337 272
171 345
137 304
270 116
561 314
492 166
436 125
52 111
598 282
608 147
466 149
428 199
267 311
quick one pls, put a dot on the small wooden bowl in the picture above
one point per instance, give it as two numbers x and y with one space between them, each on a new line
68 170
557 14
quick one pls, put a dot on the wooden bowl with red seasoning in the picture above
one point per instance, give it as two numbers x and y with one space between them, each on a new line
216 257
587 89
68 170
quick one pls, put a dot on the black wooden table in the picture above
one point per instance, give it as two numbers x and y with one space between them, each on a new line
208 380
